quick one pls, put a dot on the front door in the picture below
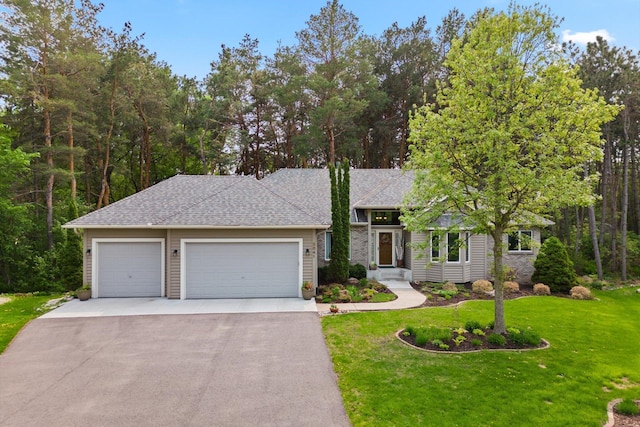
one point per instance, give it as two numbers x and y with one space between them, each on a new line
385 248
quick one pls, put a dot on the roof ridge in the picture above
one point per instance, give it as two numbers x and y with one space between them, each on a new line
290 202
199 201
383 184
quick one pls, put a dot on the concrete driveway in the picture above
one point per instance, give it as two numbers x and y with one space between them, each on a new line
267 369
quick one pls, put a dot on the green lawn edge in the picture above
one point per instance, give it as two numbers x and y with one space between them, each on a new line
17 312
593 358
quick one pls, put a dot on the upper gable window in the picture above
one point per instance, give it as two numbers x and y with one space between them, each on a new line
385 218
520 241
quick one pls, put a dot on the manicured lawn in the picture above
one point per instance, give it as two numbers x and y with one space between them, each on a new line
594 358
17 312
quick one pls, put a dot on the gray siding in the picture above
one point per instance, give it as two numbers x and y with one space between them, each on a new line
521 262
479 268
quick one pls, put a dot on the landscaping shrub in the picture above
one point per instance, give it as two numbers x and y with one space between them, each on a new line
497 339
627 407
524 337
580 292
511 287
554 267
481 285
470 325
358 271
322 275
450 287
541 289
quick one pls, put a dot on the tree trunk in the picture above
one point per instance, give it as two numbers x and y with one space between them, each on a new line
72 171
606 177
594 234
625 197
499 326
332 146
50 180
635 190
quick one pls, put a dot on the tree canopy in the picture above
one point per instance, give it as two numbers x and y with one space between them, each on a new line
509 135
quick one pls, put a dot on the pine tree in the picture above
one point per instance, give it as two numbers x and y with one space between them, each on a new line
340 218
553 267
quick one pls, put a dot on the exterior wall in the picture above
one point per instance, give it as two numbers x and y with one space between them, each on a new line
359 246
521 262
479 266
172 242
90 234
481 247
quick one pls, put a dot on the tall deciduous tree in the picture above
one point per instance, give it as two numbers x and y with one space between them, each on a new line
512 134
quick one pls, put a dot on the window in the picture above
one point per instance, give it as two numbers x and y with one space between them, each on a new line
453 247
467 246
520 241
328 241
328 238
385 218
435 246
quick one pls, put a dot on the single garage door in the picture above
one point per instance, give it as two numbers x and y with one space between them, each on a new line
129 269
241 269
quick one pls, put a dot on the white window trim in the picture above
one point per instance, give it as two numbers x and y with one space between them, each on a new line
95 253
328 258
520 250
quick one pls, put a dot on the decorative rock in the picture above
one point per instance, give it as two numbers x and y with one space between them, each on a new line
353 281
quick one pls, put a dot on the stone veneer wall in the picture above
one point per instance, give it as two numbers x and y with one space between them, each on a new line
359 248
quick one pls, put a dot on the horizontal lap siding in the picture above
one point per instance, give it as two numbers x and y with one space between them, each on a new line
419 268
175 235
478 257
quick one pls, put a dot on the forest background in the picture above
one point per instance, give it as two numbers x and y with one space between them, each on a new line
90 116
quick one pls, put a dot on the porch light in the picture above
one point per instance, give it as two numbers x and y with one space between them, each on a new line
88 252
175 252
306 251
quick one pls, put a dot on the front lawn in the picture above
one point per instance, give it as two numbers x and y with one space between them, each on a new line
18 311
594 358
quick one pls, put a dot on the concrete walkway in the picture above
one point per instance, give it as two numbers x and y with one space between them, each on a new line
407 298
105 307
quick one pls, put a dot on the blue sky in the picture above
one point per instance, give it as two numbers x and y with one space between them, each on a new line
187 34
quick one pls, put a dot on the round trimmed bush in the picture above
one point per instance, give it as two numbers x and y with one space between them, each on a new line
481 286
554 267
511 287
358 271
541 289
580 292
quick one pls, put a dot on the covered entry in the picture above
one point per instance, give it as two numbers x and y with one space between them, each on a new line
241 268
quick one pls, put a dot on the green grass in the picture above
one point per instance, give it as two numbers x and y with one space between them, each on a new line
594 358
17 312
382 297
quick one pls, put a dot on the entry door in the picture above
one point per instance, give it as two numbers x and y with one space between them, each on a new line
385 248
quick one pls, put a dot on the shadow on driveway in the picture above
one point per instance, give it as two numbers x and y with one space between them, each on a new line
267 369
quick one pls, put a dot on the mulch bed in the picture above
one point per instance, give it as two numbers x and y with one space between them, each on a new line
466 345
434 300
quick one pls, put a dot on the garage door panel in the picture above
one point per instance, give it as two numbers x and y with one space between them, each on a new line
242 269
129 269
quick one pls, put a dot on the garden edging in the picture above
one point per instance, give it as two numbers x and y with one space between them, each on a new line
545 345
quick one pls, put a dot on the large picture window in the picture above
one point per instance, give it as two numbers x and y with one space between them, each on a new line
453 247
520 241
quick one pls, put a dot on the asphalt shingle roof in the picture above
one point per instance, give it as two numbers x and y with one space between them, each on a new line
287 198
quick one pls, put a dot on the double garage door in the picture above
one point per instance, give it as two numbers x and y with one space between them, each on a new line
209 268
240 269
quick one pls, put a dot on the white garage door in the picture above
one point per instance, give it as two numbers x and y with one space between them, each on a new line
241 269
129 269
